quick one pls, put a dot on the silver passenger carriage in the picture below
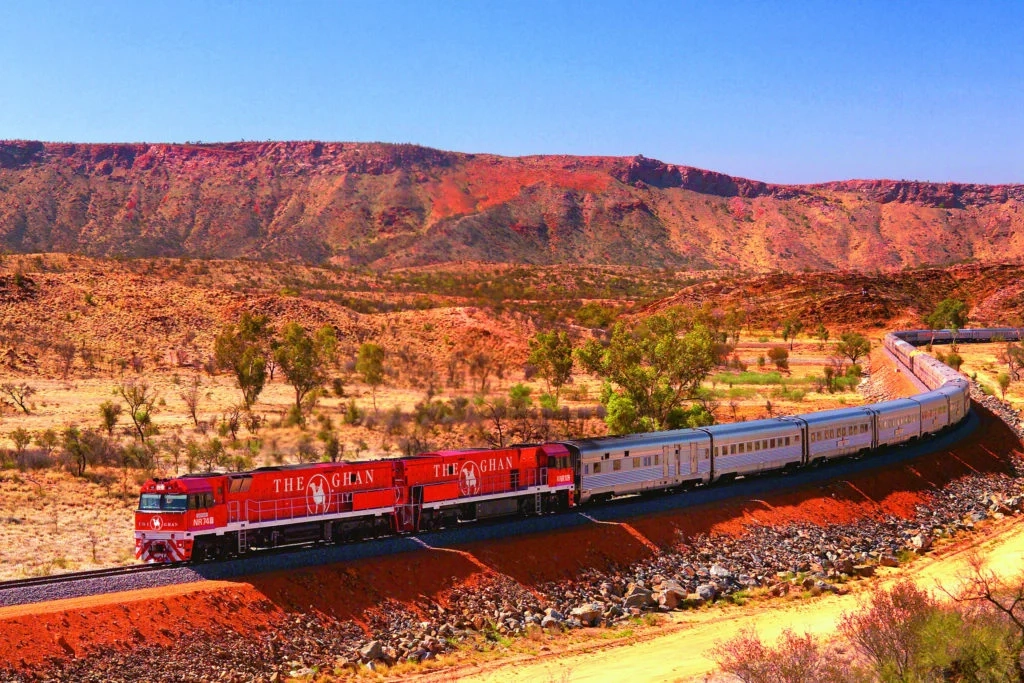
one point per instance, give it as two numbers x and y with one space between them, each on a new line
617 466
896 421
836 433
934 411
742 448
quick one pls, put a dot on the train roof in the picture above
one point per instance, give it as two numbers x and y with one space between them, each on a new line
728 429
894 404
628 440
852 413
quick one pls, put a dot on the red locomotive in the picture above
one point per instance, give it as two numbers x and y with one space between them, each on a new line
207 516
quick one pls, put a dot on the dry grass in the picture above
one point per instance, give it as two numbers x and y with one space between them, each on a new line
52 522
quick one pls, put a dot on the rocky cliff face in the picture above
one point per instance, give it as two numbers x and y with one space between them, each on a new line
402 205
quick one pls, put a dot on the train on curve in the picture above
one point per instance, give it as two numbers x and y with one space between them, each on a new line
207 516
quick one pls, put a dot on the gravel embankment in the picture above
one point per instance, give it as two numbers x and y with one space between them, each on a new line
777 559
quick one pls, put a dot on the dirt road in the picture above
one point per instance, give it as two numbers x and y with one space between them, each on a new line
679 651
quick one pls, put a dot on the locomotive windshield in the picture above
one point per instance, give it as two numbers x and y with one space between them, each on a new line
170 502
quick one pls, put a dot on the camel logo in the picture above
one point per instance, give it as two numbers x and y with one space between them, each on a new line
318 495
156 522
469 479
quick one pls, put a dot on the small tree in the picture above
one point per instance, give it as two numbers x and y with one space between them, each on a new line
791 328
21 439
18 393
480 366
496 411
74 450
303 358
822 335
48 440
853 345
887 632
551 353
950 313
109 413
242 348
1004 596
1004 382
1013 356
954 360
370 366
65 351
192 394
780 357
141 401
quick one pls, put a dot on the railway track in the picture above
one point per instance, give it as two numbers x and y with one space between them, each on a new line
69 577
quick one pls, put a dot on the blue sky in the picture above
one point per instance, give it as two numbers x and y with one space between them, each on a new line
784 92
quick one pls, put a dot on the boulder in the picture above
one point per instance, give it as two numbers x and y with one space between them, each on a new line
669 599
706 592
371 651
588 614
554 614
921 542
639 601
720 572
864 570
889 561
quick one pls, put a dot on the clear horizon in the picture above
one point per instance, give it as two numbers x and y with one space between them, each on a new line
766 91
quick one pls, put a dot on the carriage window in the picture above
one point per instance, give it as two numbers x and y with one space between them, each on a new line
771 443
757 445
586 469
716 451
657 459
742 449
732 449
597 468
764 444
636 463
616 465
796 439
606 456
787 440
647 460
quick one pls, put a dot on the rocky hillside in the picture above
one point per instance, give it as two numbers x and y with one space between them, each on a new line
401 205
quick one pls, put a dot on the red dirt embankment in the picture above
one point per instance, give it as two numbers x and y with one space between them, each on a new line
33 634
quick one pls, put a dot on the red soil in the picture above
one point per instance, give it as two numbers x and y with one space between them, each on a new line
31 635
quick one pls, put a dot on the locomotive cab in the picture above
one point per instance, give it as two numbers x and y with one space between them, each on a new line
169 511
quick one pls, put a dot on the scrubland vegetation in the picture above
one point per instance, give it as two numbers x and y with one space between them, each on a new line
282 374
901 633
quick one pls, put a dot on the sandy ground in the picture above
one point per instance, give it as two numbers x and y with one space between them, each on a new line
679 651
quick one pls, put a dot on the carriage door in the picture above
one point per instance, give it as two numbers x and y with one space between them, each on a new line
664 462
679 461
693 458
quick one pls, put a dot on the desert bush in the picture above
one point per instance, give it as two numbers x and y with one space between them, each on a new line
795 659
